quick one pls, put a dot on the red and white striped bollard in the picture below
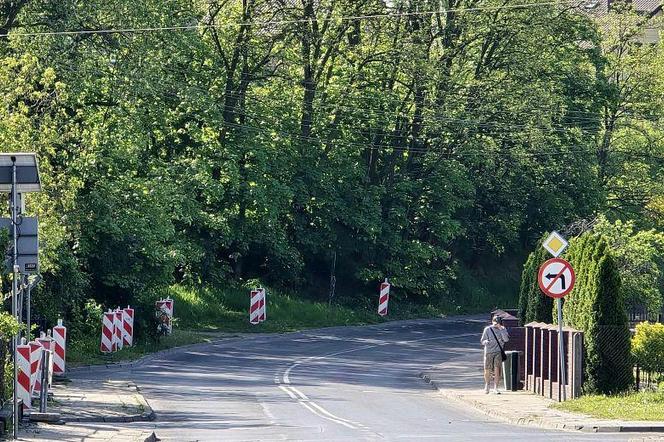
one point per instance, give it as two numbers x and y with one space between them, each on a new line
263 304
167 305
118 327
128 326
24 374
35 367
59 348
255 307
107 333
46 341
383 298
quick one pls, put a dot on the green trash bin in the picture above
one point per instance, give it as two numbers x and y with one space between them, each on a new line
511 371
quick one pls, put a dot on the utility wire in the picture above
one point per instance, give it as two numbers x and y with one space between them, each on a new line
260 118
571 3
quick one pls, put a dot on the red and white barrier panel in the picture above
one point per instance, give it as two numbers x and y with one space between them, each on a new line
128 326
108 333
383 298
167 306
117 328
47 344
24 374
35 367
263 303
255 307
59 347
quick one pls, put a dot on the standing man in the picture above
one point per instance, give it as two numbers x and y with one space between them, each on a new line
493 339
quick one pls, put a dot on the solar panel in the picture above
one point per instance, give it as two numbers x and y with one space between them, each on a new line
27 172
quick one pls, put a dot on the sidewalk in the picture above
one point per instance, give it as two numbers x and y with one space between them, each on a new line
86 405
456 382
99 401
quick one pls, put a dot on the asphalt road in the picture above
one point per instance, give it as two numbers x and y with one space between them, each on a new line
337 384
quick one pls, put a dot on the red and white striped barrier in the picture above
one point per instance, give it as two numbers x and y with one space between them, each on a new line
383 298
108 333
128 326
47 344
117 328
255 307
24 374
263 304
59 347
35 367
36 361
167 306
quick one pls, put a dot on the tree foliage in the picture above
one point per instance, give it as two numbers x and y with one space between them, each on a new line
638 255
271 139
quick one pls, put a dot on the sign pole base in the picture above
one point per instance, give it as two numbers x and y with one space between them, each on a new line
561 351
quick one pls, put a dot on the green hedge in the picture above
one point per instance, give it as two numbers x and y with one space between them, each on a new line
595 306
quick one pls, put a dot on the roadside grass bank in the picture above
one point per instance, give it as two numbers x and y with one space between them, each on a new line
642 406
206 314
86 351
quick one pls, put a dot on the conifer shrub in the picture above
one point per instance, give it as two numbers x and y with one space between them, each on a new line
533 306
595 306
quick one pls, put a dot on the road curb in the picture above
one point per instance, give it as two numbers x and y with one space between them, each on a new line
541 422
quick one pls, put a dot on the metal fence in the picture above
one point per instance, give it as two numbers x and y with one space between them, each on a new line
640 313
647 381
643 380
609 366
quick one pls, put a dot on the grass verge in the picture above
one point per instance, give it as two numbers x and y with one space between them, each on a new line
227 311
642 406
204 314
86 351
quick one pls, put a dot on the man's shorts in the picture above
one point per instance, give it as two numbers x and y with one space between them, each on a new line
492 360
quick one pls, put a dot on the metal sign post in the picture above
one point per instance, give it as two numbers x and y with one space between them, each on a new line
14 209
556 278
561 350
19 173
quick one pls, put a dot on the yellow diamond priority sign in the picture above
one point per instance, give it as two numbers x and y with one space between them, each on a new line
555 244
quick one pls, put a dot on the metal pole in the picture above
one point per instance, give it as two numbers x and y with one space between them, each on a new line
43 396
14 293
561 350
28 333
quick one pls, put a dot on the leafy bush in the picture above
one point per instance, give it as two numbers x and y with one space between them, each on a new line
8 328
638 254
648 347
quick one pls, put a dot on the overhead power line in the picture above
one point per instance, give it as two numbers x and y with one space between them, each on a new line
201 26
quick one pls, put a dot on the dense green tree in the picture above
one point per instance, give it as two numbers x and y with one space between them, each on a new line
270 139
638 256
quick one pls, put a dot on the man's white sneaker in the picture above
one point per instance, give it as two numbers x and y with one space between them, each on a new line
495 391
486 389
